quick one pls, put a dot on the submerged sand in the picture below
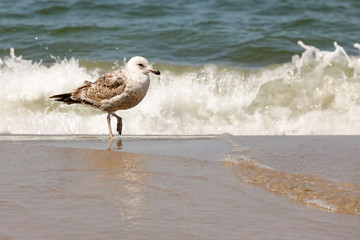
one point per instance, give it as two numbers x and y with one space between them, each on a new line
195 187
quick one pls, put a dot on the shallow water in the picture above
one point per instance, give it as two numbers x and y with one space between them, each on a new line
48 187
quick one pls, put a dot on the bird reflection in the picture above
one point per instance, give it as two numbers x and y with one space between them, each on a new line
119 144
119 178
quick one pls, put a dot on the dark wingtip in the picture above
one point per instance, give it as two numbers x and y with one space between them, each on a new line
65 97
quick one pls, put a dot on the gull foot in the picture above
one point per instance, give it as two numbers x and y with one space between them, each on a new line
119 125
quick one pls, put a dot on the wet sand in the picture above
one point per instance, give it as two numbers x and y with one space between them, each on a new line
194 187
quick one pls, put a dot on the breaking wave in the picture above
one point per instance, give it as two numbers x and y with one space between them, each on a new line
317 92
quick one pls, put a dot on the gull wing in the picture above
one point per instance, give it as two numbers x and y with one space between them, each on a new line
104 88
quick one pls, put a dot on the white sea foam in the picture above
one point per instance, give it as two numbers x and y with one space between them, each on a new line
322 204
315 93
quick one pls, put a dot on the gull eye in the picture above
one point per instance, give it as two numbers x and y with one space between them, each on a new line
141 65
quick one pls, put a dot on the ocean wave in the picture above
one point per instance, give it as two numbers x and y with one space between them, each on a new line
317 92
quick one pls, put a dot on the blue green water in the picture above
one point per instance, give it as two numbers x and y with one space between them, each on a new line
242 67
247 33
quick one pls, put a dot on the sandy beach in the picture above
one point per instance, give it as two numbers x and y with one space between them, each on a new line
172 187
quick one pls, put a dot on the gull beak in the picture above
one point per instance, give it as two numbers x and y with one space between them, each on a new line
154 71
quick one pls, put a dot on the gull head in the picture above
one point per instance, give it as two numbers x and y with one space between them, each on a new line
140 65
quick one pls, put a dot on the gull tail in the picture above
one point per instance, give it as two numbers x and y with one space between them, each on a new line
65 97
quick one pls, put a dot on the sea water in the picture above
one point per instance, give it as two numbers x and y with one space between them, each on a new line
242 67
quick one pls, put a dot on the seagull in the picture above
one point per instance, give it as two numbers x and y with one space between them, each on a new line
118 90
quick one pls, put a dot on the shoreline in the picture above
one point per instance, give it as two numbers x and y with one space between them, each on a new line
176 187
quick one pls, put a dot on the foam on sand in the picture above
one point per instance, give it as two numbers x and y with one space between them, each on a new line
331 195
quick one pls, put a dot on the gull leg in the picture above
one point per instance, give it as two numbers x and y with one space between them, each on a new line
119 123
111 136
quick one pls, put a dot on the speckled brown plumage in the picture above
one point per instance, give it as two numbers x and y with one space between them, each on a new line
118 90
